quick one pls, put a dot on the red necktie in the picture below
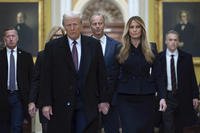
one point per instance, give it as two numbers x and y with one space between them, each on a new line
75 55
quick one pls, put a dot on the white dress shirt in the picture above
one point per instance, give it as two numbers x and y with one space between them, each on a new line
103 42
168 58
8 59
78 46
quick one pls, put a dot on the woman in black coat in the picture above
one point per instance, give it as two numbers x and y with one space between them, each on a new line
136 86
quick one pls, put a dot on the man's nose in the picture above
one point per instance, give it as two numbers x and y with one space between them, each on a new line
97 25
11 38
72 27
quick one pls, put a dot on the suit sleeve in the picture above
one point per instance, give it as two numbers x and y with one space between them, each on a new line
113 73
45 98
35 83
159 78
101 73
30 65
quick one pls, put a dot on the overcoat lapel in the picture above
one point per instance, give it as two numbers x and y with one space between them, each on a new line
180 67
85 58
19 64
66 54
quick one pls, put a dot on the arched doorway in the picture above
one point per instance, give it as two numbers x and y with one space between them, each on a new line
113 15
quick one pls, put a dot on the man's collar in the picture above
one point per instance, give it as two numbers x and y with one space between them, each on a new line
78 40
14 50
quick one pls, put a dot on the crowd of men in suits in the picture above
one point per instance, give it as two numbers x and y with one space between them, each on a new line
89 82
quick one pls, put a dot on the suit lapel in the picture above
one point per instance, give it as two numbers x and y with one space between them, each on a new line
108 48
19 63
85 58
66 53
179 64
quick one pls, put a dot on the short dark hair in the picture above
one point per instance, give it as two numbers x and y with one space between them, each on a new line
9 28
23 14
172 32
184 11
96 14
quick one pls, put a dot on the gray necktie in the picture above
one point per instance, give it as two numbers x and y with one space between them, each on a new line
12 86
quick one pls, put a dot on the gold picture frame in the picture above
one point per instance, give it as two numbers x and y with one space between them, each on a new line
168 17
32 11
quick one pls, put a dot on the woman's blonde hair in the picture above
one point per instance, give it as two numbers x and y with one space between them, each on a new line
126 42
53 31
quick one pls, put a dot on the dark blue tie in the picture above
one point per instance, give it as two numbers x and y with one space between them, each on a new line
173 75
75 55
12 86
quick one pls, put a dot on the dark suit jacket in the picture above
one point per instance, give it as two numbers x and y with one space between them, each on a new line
134 74
24 74
110 56
59 79
35 84
187 85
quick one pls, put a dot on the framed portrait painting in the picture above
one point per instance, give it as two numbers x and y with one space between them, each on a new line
182 16
26 17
